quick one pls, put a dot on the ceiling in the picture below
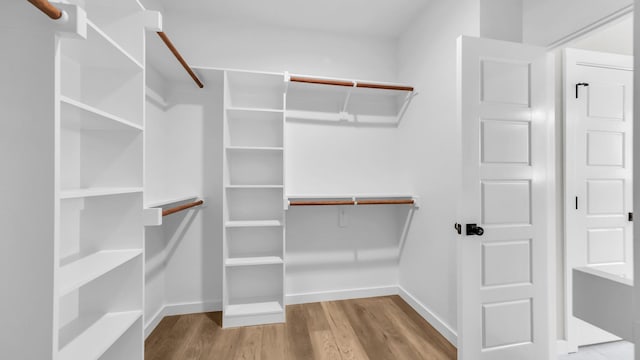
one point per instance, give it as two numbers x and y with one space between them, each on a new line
387 18
616 38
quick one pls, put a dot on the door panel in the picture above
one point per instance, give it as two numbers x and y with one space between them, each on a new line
598 173
503 274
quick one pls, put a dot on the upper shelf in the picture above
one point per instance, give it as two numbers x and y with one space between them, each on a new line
351 101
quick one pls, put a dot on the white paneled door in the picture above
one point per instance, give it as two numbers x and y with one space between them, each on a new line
503 262
598 188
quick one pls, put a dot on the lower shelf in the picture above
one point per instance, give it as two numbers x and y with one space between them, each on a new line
259 313
95 340
261 308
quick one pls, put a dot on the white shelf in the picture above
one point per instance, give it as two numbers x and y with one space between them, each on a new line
254 261
88 117
169 201
253 110
80 272
254 148
98 338
92 192
253 223
270 307
255 186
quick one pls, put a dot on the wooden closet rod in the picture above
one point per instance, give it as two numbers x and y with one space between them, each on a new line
181 207
384 87
310 80
175 52
322 202
46 7
351 202
386 202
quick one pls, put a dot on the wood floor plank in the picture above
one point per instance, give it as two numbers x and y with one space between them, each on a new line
361 329
224 345
274 342
396 340
413 334
250 347
346 339
372 339
298 340
154 343
177 338
429 332
322 339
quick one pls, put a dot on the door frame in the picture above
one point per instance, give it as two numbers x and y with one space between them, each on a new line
570 182
557 174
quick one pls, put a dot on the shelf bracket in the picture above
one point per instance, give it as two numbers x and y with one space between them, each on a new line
405 106
348 97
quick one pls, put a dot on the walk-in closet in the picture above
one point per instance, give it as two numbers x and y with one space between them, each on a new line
343 179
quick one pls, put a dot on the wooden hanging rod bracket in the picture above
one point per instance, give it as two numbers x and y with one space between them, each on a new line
46 7
181 60
181 207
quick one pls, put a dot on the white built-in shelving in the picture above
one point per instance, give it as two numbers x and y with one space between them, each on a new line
99 278
253 196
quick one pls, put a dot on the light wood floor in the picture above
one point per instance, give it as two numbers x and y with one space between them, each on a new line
375 328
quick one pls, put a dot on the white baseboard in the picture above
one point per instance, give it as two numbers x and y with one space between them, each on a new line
562 347
443 328
180 309
304 298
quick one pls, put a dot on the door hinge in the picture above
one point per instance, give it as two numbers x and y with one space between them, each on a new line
576 203
578 86
630 216
458 228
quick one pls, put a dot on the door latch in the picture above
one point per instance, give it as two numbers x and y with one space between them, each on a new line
473 229
578 86
630 216
458 228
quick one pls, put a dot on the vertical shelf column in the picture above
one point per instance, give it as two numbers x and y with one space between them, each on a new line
99 265
253 235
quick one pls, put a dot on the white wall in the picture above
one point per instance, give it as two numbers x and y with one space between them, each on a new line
547 21
28 182
223 44
427 56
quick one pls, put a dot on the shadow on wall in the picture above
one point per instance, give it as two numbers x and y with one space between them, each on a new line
345 237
